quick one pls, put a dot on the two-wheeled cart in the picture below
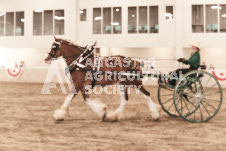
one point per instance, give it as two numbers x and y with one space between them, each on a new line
196 97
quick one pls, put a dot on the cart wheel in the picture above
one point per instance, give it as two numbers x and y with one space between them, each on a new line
198 96
165 97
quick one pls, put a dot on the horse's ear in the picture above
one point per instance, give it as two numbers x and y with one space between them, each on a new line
56 39
95 43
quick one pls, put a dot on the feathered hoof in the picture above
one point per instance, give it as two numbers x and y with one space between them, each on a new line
98 107
156 113
113 116
59 115
103 118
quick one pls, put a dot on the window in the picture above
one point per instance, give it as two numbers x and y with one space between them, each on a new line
2 29
143 23
132 20
37 22
48 22
117 20
197 19
9 24
211 18
223 18
59 22
169 12
82 14
107 20
153 19
97 21
12 23
19 24
214 18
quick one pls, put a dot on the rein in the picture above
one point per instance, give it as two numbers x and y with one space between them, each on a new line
83 48
83 56
57 45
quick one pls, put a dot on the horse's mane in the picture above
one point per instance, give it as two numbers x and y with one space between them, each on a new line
73 45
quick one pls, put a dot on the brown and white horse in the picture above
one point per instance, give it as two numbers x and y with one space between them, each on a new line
72 54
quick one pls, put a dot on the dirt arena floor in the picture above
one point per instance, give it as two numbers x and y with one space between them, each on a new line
27 124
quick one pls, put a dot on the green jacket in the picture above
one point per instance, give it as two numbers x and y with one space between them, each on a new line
194 60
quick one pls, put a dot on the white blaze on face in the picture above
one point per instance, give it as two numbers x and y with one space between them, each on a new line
47 61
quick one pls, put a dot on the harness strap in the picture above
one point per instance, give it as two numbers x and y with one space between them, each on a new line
110 60
83 56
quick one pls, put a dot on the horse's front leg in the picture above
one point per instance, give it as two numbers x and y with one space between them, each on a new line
60 114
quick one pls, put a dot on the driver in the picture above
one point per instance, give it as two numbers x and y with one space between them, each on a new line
193 61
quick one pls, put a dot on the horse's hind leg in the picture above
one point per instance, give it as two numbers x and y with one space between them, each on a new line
98 107
123 96
61 113
154 108
117 114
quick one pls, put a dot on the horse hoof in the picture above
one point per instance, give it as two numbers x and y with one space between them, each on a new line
59 120
156 114
59 115
103 118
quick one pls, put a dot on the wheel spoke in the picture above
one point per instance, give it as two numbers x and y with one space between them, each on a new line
187 108
170 106
189 95
200 112
169 89
194 116
209 104
212 93
193 105
205 109
167 94
209 88
175 111
190 91
211 99
206 84
181 105
167 101
195 87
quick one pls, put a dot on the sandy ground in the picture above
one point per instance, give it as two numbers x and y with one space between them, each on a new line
27 124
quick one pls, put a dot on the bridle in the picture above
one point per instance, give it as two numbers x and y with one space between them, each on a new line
55 47
81 57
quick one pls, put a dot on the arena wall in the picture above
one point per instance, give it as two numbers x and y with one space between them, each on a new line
172 40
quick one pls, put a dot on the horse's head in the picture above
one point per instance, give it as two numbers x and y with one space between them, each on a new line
55 51
68 51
